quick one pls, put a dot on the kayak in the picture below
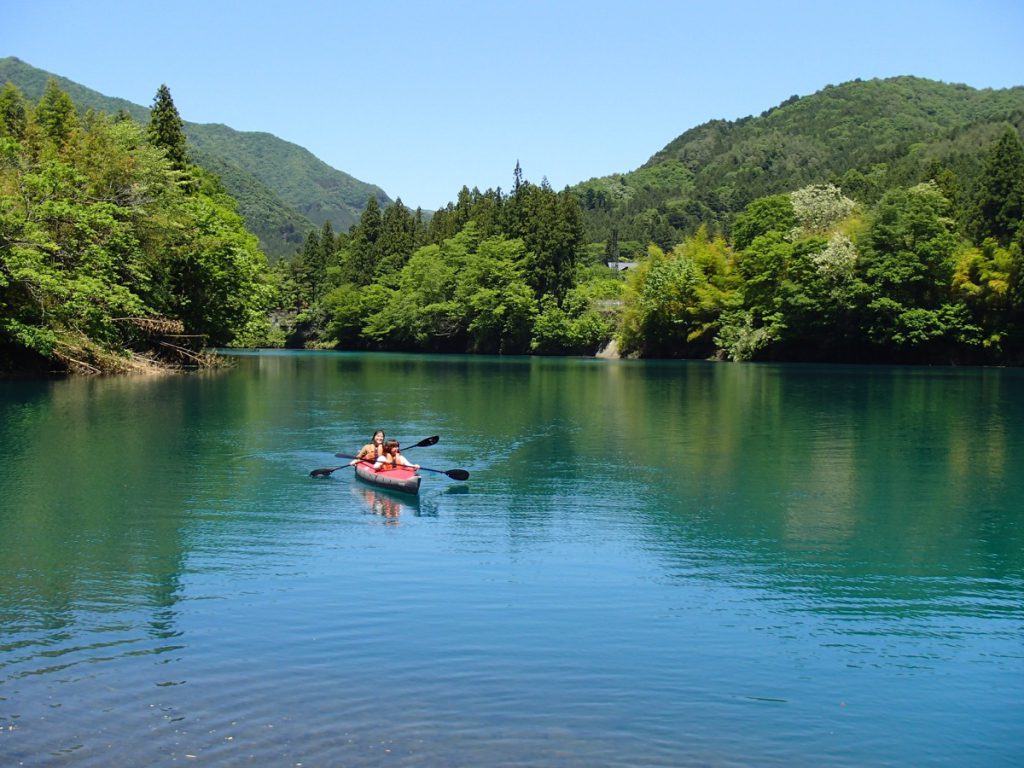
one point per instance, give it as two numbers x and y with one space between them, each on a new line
402 479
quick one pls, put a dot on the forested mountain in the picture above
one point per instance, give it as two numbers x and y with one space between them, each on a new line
871 222
864 136
283 190
876 221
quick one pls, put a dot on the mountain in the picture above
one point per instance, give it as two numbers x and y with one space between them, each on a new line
864 136
283 190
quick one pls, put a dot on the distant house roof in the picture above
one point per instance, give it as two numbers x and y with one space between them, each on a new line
622 266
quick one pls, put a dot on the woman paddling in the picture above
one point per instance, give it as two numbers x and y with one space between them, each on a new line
372 450
392 457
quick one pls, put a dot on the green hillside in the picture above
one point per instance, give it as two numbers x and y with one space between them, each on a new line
865 136
283 190
303 182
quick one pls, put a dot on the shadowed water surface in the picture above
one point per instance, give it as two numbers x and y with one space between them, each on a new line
657 564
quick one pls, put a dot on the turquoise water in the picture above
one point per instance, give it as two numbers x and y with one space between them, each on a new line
652 564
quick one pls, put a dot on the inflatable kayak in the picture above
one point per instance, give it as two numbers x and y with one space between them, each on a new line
402 479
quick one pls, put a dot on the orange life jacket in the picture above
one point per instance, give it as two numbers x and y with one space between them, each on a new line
388 461
369 452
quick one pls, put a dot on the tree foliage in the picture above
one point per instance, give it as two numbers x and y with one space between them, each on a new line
911 255
166 130
99 241
864 137
921 272
999 201
490 273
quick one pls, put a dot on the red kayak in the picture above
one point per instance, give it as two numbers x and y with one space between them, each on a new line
402 479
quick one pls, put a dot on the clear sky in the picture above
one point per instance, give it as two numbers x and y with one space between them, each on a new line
422 98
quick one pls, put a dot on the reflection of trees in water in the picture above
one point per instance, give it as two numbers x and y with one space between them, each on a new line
857 470
87 461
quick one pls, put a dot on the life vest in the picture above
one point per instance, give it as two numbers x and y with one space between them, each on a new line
387 462
369 452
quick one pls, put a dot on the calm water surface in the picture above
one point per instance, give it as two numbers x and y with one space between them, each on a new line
652 564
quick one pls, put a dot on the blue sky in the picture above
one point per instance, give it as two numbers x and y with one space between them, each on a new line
421 98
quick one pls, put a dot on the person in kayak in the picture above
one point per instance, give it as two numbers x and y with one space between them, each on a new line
372 450
392 457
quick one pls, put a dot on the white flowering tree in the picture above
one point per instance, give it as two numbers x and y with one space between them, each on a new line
819 207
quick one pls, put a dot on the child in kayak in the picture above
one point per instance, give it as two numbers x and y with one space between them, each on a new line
392 457
373 450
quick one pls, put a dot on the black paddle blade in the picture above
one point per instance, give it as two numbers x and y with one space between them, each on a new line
323 472
458 474
432 440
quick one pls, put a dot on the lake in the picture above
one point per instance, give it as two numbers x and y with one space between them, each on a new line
652 564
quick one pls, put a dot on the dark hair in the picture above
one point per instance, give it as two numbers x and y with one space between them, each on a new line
375 434
390 446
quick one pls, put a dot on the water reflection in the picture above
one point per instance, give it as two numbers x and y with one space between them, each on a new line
389 505
641 545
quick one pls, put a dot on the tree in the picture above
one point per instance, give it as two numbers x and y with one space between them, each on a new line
674 300
499 305
999 202
761 216
579 326
551 227
990 280
909 247
13 112
56 114
98 241
819 207
218 274
308 271
166 129
909 255
395 244
359 262
611 248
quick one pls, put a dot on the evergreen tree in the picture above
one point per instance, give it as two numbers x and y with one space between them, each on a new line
551 226
326 258
13 112
394 247
306 270
166 129
611 248
360 259
419 229
56 114
999 202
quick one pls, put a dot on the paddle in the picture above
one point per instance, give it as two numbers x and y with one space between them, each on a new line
324 472
432 440
454 474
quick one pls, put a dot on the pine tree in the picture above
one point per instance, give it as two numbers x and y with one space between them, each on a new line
309 269
166 129
611 248
362 254
328 244
56 113
517 179
999 202
395 244
13 112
